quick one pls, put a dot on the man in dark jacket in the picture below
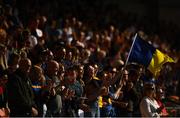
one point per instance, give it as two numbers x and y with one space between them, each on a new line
20 95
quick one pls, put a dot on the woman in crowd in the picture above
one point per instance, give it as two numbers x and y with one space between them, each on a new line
149 106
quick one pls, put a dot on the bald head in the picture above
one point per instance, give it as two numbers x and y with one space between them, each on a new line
25 65
52 67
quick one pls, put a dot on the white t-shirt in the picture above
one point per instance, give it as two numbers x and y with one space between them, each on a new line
148 107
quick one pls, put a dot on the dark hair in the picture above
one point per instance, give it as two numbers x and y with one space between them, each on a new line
133 72
149 86
12 57
1 10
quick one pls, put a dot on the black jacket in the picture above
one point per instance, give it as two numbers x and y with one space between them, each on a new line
20 95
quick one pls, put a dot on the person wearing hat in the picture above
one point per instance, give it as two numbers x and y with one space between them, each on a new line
149 106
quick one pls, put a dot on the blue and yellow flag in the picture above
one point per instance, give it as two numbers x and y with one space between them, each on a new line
144 53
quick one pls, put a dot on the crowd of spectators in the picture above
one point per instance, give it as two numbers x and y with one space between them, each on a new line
53 66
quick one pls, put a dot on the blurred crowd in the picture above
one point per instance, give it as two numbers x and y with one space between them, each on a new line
74 66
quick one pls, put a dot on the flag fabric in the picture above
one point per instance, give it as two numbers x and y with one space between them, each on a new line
145 54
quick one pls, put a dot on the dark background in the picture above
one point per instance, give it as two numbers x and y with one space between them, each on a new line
152 16
168 10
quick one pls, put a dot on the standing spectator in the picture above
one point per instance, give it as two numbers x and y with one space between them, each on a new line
12 66
134 76
3 60
38 83
68 59
13 63
92 84
149 106
159 99
4 110
60 54
54 103
105 100
3 51
74 102
20 95
80 72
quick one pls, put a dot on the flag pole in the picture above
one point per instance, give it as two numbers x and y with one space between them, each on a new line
134 39
117 93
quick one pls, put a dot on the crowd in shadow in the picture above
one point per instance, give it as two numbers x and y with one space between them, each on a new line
68 58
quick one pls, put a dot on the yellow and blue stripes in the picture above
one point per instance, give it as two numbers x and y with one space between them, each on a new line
147 55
